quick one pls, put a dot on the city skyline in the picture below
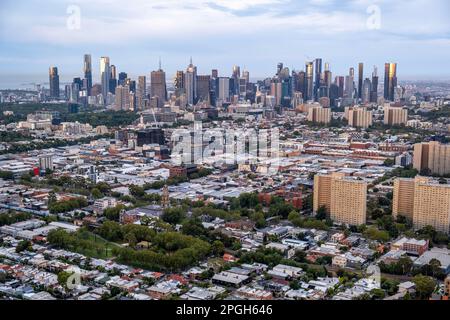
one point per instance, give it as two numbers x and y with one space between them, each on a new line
223 34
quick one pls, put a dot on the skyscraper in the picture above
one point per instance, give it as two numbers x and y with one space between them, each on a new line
301 84
366 91
309 81
158 86
223 89
390 80
179 83
123 98
88 73
279 67
190 82
340 82
113 79
203 88
54 82
141 92
360 79
246 76
105 74
327 75
318 75
374 93
122 78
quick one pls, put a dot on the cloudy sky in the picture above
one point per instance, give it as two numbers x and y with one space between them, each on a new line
257 34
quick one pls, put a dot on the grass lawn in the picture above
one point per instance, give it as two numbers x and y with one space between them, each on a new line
100 247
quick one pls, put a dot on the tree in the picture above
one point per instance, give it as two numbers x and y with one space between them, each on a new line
24 245
110 230
96 193
375 234
428 232
248 200
378 294
63 278
391 286
137 191
258 217
113 213
281 209
321 213
6 175
217 248
193 227
173 215
131 239
425 286
389 162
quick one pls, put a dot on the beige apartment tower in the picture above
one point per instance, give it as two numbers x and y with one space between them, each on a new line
395 116
424 201
344 198
319 114
358 117
432 156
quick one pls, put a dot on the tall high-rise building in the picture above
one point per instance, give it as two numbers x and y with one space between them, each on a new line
123 98
344 198
366 91
358 117
214 73
141 93
394 116
340 82
158 86
390 81
246 76
301 84
105 74
54 82
319 114
374 93
123 76
87 69
349 91
190 83
318 76
327 76
309 85
360 79
432 158
75 89
113 79
203 88
223 89
178 83
279 67
276 90
423 201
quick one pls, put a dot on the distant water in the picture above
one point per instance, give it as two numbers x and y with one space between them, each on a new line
28 82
